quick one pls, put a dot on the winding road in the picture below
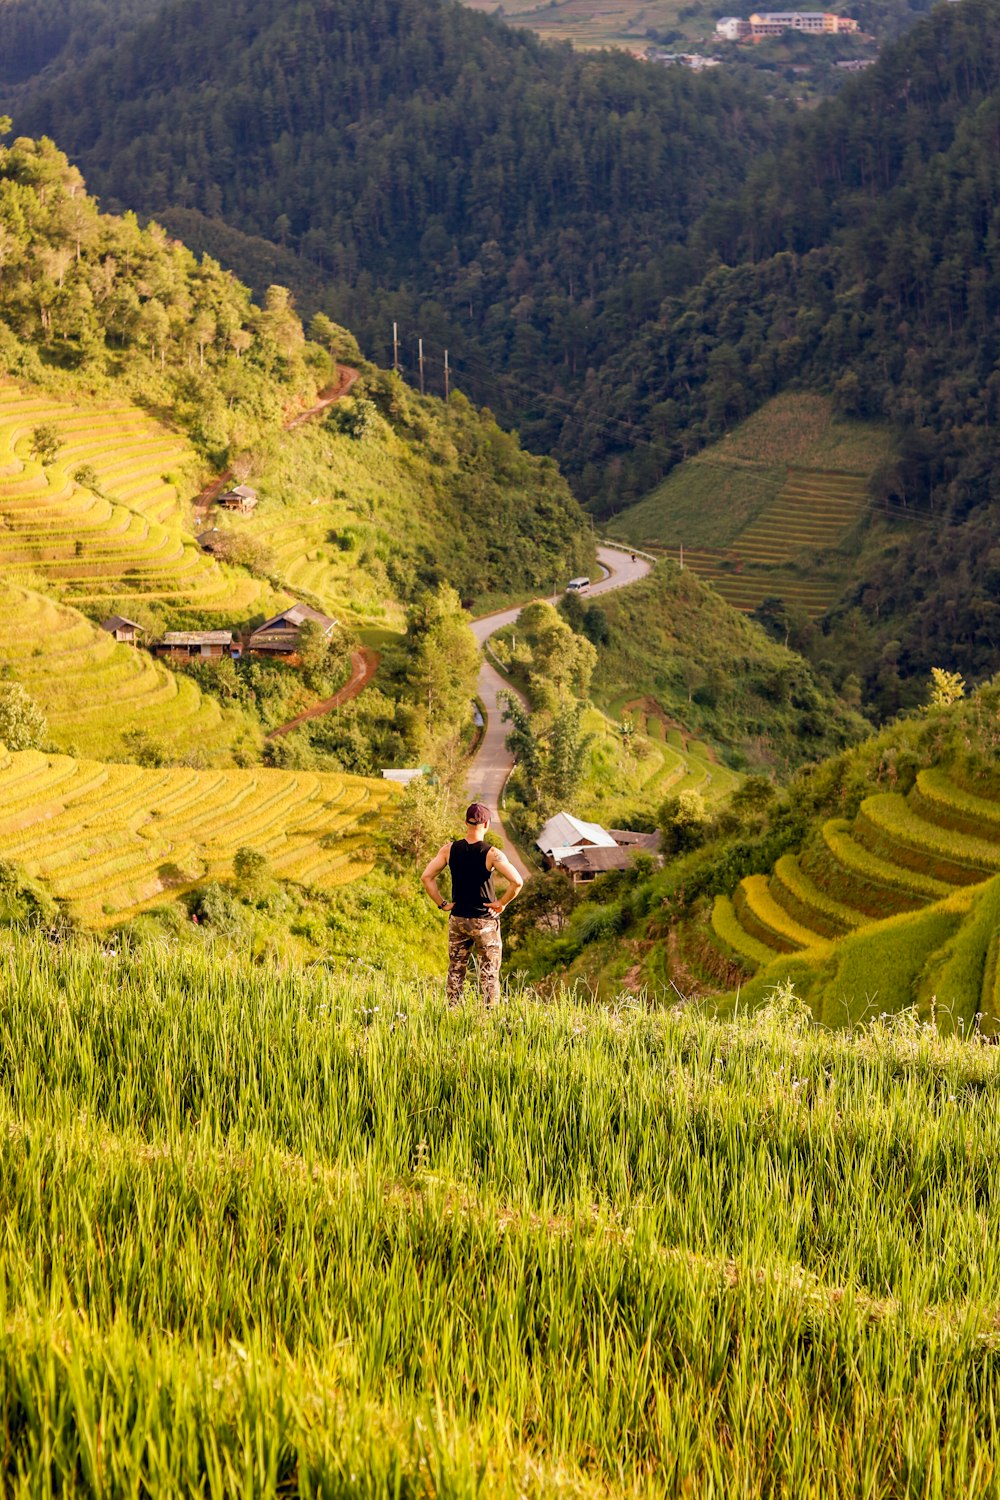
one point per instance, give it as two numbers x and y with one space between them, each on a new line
493 761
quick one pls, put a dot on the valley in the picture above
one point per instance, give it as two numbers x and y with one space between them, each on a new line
398 407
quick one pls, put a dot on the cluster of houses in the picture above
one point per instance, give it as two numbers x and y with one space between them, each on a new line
585 850
278 636
775 22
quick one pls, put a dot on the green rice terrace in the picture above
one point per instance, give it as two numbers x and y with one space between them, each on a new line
270 1232
92 690
108 839
900 905
116 533
766 511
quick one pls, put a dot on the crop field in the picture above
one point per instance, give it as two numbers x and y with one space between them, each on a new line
603 23
271 1233
93 690
110 838
660 761
763 512
908 873
119 538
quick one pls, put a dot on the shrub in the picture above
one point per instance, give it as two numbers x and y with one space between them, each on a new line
23 726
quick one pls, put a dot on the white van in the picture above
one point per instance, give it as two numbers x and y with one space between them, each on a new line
577 585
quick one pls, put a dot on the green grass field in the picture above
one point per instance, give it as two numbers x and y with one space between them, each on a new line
267 1233
108 839
763 512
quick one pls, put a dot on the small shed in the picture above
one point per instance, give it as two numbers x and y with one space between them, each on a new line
125 631
279 636
241 497
208 540
205 645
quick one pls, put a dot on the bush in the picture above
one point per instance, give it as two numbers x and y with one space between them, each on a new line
23 726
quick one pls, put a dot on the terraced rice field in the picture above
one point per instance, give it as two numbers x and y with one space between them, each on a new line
935 851
780 552
110 838
93 690
675 762
123 540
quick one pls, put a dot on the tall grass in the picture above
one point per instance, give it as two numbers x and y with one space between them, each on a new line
271 1233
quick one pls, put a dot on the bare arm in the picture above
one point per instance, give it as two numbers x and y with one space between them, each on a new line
498 862
429 878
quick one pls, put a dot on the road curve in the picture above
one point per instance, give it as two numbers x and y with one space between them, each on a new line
493 762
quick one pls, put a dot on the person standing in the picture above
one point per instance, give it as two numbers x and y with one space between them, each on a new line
474 910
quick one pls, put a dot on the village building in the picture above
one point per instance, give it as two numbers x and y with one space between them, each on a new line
203 645
732 28
280 636
127 632
241 498
775 22
586 850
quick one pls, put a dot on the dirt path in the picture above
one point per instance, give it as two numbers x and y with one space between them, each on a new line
493 762
364 664
203 502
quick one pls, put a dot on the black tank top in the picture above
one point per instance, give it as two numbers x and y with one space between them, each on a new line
471 882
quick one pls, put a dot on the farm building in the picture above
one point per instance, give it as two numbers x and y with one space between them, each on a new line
280 635
127 632
241 497
586 850
207 645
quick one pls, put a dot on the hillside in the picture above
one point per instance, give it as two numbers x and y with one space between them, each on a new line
106 840
521 205
692 663
768 511
870 883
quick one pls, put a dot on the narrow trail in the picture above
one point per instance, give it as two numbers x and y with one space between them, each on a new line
364 665
347 376
493 762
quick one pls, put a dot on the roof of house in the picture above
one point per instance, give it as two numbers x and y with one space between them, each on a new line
618 857
206 538
629 839
198 638
244 492
297 615
119 622
564 832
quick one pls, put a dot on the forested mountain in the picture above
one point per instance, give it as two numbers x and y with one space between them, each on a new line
623 260
523 205
36 35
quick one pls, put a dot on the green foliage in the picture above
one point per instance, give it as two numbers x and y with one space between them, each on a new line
550 748
251 870
45 442
22 723
682 820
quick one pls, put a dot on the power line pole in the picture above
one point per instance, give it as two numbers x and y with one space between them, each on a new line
395 347
447 380
420 352
682 557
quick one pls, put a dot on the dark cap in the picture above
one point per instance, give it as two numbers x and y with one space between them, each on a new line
477 812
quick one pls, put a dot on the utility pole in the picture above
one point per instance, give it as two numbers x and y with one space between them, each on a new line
420 352
395 347
447 381
682 557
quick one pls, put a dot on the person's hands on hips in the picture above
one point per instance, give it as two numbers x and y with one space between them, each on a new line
496 907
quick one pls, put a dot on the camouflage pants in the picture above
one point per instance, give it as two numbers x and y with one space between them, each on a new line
479 935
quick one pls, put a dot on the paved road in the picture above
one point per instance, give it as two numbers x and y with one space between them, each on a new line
493 762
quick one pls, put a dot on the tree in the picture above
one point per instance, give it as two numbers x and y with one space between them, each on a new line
23 726
946 688
45 442
682 821
251 870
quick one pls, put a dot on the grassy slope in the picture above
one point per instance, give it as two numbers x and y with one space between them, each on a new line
764 510
276 1231
432 490
676 642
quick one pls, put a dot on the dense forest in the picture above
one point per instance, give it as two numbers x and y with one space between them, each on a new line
521 204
